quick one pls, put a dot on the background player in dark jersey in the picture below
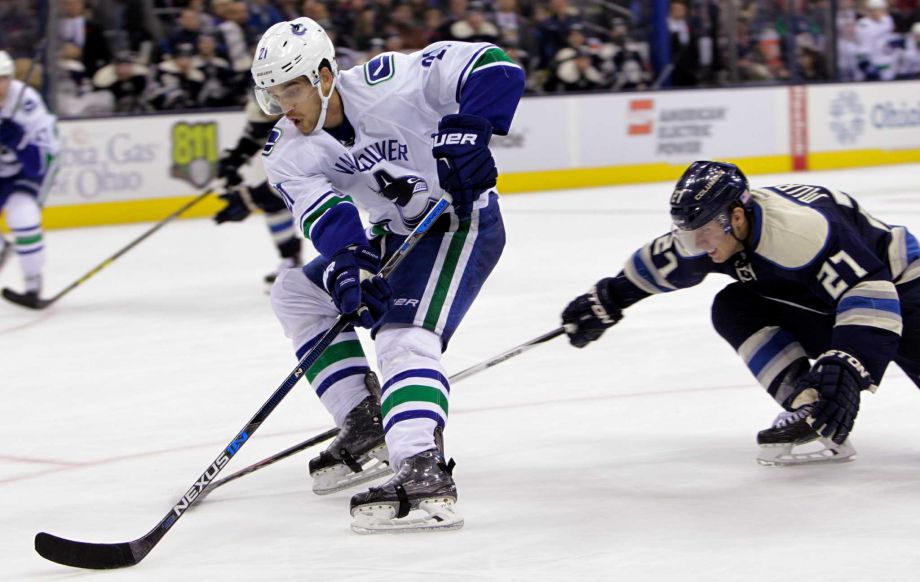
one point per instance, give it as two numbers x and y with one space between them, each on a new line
242 200
817 278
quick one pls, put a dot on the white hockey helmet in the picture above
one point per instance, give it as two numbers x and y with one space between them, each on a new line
877 4
289 50
6 65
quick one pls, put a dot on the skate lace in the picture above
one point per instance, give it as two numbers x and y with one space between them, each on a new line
787 417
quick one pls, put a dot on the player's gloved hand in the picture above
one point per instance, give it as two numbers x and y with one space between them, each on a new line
589 315
838 379
238 207
11 134
466 167
228 168
342 279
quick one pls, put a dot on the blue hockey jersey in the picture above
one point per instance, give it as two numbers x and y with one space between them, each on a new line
810 247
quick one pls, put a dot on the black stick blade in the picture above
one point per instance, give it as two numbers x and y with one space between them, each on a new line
30 300
84 555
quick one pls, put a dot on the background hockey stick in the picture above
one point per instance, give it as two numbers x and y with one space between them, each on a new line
118 555
293 450
36 303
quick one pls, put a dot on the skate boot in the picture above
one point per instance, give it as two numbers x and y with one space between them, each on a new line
5 250
286 263
792 441
424 482
358 454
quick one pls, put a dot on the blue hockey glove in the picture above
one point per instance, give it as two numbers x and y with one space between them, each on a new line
342 279
11 134
466 167
588 316
838 378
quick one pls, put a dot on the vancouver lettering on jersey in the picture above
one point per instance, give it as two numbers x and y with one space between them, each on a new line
370 156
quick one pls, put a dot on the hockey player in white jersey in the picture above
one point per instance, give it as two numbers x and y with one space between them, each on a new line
369 138
28 145
817 278
876 55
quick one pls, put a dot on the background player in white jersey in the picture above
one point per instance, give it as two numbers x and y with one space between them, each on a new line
876 55
818 278
363 138
28 144
242 200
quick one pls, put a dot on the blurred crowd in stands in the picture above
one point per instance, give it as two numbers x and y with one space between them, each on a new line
151 55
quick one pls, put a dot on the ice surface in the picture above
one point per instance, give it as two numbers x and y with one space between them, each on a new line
630 460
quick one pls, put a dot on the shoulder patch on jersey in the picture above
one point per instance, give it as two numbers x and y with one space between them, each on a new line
379 69
492 56
272 141
792 236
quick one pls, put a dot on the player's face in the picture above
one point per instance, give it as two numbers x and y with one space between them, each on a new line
4 88
300 103
715 238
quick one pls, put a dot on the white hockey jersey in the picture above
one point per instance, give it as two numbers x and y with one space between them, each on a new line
394 104
38 124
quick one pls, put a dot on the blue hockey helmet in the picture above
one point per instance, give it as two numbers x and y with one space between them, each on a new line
705 192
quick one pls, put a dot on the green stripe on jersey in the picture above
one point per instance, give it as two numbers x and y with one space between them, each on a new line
413 393
493 55
333 354
28 240
318 212
447 275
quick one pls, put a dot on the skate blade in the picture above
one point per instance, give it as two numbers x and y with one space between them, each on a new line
374 464
437 514
820 450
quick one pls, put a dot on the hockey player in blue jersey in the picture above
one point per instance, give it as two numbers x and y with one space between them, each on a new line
28 146
826 296
242 200
388 137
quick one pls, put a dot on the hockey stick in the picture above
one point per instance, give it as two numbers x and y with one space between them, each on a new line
293 450
25 300
118 555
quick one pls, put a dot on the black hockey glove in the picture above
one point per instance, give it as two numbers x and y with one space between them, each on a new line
239 206
589 315
228 168
342 279
11 134
466 167
838 378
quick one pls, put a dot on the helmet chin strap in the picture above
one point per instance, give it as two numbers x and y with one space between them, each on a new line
325 105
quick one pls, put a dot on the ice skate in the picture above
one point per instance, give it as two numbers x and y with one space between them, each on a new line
423 485
357 455
792 441
286 263
5 250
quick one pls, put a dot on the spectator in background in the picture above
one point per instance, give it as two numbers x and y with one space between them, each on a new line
811 63
177 83
578 73
221 86
623 65
76 95
685 57
263 14
909 67
554 29
126 81
514 30
474 27
18 30
75 28
186 32
234 36
455 13
875 57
